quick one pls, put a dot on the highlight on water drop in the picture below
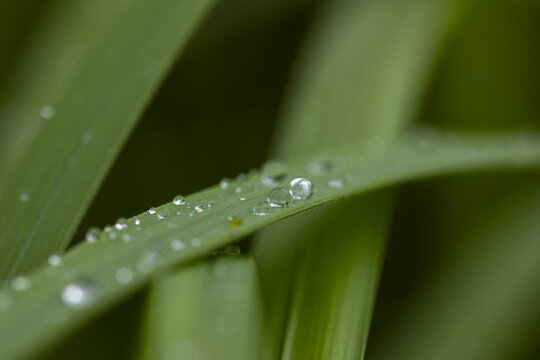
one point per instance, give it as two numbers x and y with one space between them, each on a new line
300 188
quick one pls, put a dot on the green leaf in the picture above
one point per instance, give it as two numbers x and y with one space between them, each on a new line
88 72
94 276
209 310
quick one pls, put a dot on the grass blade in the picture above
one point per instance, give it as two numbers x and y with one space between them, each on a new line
206 311
35 317
352 87
65 120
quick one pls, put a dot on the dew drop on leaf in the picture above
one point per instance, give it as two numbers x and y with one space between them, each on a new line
55 260
79 293
121 224
162 214
279 197
300 188
24 197
273 172
92 235
47 112
20 283
261 209
152 211
124 275
179 200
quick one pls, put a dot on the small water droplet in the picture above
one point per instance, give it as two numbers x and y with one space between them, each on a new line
47 112
195 242
336 182
375 146
177 245
224 183
113 235
5 302
20 283
199 206
162 214
211 203
279 197
261 209
321 165
300 188
127 237
124 275
234 221
137 222
152 211
55 260
243 189
273 172
79 293
121 224
92 235
242 199
24 197
86 137
179 200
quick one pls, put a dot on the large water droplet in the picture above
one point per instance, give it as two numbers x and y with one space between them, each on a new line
20 283
300 188
47 112
273 172
261 209
124 275
179 200
24 197
92 235
279 197
55 260
79 293
234 221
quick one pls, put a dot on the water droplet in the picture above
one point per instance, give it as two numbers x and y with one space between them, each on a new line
55 260
195 242
127 237
234 221
224 183
86 137
24 197
124 275
199 206
242 199
79 293
5 302
211 203
336 182
279 197
20 283
233 250
152 211
112 235
261 209
121 224
273 172
179 200
321 165
162 214
177 245
300 188
93 234
137 222
47 112
243 189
